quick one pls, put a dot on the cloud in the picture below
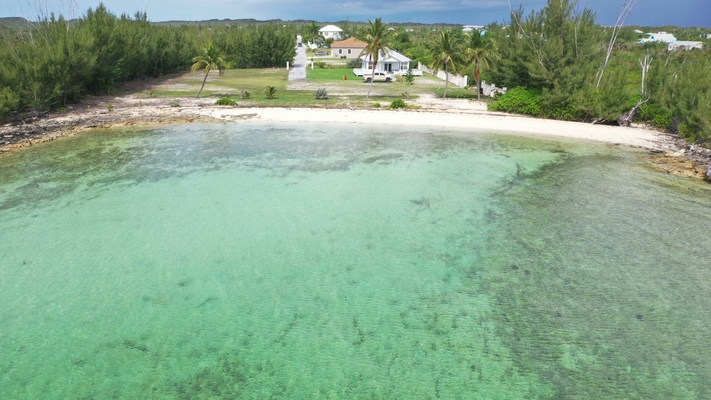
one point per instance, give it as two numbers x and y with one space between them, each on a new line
648 12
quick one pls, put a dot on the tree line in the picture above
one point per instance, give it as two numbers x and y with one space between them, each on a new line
56 62
557 59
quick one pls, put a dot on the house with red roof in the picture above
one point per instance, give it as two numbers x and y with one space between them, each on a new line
349 48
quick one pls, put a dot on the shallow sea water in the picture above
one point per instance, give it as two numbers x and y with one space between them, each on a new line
333 261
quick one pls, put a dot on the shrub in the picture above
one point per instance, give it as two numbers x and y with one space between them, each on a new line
8 102
376 105
354 63
175 103
321 94
321 65
398 103
653 115
270 92
109 106
245 95
409 78
226 101
519 100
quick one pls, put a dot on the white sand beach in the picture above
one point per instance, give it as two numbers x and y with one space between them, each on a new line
481 121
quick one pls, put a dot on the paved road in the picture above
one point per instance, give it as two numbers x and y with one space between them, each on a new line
298 73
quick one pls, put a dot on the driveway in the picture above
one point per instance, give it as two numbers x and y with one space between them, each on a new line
298 72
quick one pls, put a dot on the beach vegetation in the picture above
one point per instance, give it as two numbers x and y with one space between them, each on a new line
519 100
210 59
409 77
321 94
478 52
398 103
8 102
376 105
444 54
225 101
270 92
174 103
377 38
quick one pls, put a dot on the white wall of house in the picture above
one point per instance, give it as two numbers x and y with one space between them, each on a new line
392 61
393 66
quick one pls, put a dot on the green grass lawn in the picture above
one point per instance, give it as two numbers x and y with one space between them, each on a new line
330 74
236 81
229 84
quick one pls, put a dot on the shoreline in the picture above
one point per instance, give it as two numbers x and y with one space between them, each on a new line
667 152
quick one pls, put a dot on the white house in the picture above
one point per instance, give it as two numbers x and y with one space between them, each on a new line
392 62
330 32
469 28
389 61
661 37
684 45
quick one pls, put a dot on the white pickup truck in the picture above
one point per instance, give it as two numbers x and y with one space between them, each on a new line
378 77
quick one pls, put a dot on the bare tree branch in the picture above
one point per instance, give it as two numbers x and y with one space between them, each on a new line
627 7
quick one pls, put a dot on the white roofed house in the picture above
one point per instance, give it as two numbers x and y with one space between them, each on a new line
661 37
330 32
389 61
684 45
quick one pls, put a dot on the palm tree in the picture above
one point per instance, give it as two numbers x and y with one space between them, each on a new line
443 53
209 59
312 31
377 37
479 51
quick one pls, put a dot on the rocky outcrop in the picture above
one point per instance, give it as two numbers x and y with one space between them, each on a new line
42 129
683 159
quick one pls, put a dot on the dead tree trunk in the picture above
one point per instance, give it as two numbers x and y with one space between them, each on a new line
627 7
627 118
645 63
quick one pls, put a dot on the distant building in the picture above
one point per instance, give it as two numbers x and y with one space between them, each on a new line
660 37
684 45
330 32
469 28
349 48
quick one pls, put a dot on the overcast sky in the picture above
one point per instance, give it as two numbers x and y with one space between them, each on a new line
467 12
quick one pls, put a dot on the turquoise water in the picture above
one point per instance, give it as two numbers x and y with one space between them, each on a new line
260 261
